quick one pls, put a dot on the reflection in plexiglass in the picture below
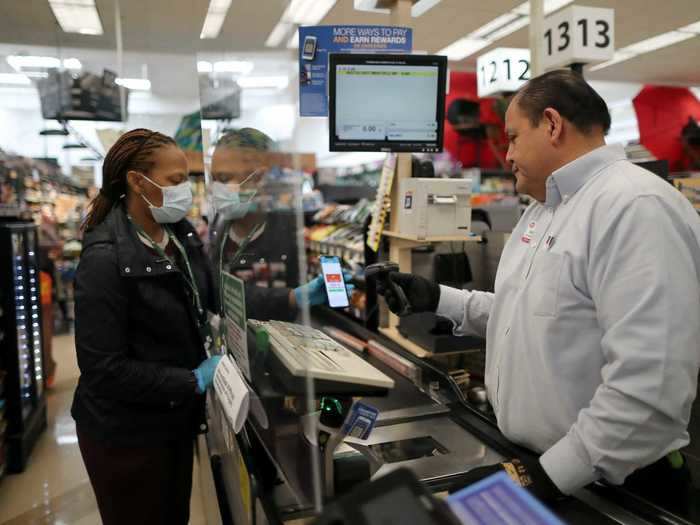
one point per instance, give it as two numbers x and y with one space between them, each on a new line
256 249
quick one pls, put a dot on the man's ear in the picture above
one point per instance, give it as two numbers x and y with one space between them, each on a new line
135 181
555 124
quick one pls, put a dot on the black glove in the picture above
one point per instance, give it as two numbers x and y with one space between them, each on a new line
528 474
422 295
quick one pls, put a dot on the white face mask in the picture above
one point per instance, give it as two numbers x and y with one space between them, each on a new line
229 201
177 201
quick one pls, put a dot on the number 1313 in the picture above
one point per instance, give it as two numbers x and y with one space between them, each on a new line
601 35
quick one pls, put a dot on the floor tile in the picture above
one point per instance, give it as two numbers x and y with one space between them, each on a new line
54 489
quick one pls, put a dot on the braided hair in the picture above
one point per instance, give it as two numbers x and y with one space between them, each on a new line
133 151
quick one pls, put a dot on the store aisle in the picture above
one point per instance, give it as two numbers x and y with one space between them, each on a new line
54 489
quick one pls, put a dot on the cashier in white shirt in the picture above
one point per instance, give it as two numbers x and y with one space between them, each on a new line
593 331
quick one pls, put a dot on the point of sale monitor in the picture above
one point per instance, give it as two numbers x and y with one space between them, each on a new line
386 102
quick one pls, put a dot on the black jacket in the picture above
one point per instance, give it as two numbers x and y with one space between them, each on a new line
137 337
277 243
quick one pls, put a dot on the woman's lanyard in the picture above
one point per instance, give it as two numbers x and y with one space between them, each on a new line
239 253
189 278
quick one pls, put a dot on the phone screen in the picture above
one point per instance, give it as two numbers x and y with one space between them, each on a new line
309 48
335 284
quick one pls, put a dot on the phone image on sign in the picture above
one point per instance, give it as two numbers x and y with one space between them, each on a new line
335 284
309 51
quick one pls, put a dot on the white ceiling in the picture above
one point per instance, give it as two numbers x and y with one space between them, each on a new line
173 26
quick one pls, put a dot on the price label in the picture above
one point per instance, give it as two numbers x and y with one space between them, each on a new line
578 34
502 70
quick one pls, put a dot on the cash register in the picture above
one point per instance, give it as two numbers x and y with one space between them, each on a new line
298 352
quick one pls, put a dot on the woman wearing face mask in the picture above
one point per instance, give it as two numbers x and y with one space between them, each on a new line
243 235
141 293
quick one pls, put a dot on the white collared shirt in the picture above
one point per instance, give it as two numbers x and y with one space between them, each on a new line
593 332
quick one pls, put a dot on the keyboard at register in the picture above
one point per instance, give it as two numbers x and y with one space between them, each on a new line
302 351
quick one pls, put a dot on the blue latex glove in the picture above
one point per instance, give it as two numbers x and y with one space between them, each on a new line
205 373
316 290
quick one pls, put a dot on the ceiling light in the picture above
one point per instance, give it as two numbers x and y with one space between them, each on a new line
494 30
509 29
299 12
692 28
77 16
493 25
137 84
268 82
553 5
36 74
212 25
371 6
619 56
421 6
21 62
216 14
523 9
549 6
463 47
657 42
204 67
278 34
241 67
308 12
650 44
294 41
72 63
15 79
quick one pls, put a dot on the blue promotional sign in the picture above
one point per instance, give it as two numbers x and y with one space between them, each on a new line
316 42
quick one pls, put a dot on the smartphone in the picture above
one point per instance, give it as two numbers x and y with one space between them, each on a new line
309 51
335 284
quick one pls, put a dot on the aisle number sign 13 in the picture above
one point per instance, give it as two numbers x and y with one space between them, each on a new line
578 34
502 70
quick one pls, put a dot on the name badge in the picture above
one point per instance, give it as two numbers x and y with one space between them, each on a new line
529 233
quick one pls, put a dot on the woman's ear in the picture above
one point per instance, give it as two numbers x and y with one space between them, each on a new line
134 181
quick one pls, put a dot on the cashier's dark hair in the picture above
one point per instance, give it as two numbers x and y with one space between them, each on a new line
133 151
568 93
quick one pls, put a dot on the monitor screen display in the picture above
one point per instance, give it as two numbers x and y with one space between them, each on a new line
387 102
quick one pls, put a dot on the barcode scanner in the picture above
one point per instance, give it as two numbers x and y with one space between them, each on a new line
381 272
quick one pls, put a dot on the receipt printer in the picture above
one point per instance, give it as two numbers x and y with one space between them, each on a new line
435 207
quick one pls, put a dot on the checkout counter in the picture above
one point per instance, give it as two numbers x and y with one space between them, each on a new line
287 461
427 422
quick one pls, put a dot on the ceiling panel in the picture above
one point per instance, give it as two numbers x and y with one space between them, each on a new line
173 26
635 21
247 26
677 64
165 26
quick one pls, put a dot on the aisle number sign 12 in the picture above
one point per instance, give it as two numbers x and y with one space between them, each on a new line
578 34
502 70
